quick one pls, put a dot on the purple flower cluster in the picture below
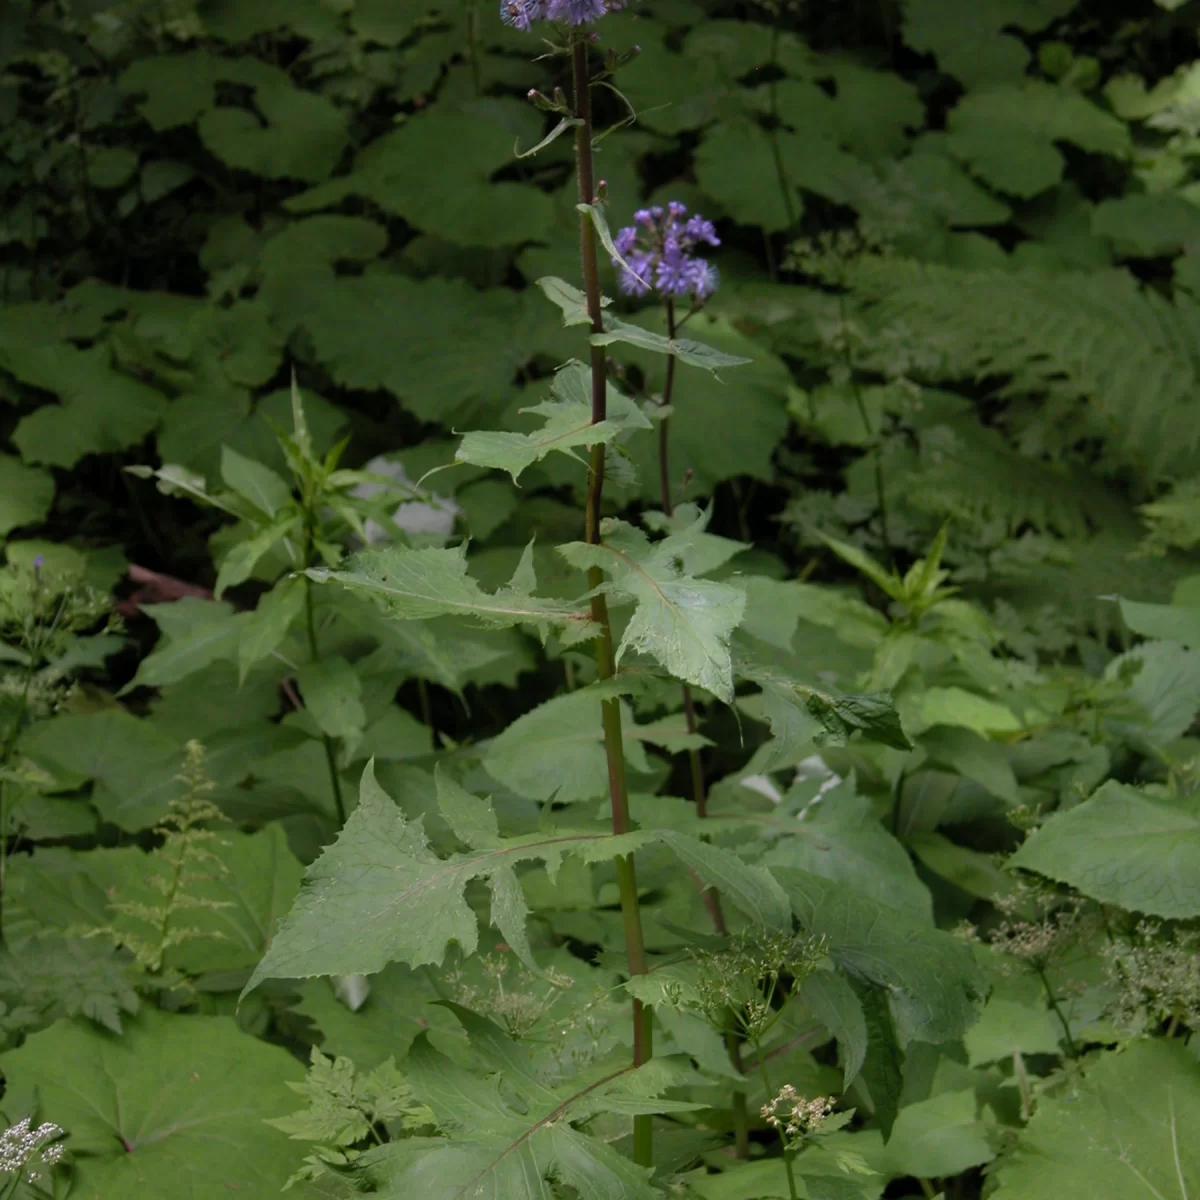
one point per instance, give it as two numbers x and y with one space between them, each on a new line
521 14
660 248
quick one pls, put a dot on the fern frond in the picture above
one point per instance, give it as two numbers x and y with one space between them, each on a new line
1120 362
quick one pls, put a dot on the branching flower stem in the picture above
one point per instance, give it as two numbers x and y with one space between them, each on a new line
635 947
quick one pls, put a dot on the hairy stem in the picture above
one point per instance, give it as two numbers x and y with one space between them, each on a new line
635 946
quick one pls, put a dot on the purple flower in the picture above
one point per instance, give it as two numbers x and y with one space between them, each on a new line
521 14
659 253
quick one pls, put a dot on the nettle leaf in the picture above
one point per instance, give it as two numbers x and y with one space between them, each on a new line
380 894
195 633
568 425
1120 1131
931 978
419 584
145 1111
1125 848
512 1134
882 1068
682 623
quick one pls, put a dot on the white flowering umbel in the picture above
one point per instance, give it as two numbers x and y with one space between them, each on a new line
796 1118
29 1154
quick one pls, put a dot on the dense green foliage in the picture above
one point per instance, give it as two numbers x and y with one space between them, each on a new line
772 772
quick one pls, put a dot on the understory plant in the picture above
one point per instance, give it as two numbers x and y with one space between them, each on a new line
599 600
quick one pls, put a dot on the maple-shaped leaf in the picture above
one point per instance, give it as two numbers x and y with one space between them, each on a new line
683 623
509 1132
426 583
568 424
380 894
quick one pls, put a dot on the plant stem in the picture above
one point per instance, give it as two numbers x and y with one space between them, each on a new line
330 751
1058 1012
710 896
787 1162
635 947
927 1187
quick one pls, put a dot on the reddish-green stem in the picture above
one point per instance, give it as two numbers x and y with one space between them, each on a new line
618 790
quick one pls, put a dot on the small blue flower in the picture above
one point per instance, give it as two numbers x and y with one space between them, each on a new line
659 253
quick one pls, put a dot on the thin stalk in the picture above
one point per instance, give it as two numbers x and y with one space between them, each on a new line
1058 1012
793 1194
427 709
310 622
789 200
710 896
927 1187
635 946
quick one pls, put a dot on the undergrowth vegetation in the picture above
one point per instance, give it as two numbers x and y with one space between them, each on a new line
600 602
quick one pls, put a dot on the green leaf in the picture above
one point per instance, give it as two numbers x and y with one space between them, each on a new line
269 623
942 1136
195 633
419 584
682 623
1015 1019
1125 848
380 894
1166 688
834 1003
693 353
332 693
254 482
26 494
752 889
1167 622
241 559
513 1141
965 752
574 309
145 1111
930 977
883 1064
460 202
101 412
1122 1131
839 837
568 424
800 714
1007 135
556 751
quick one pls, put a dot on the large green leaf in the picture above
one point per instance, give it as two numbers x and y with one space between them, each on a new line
26 494
682 623
1166 622
942 1136
930 977
1007 135
512 1141
175 1107
1122 1132
1125 848
419 584
458 202
380 894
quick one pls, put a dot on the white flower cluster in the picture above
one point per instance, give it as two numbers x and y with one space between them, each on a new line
796 1117
30 1152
